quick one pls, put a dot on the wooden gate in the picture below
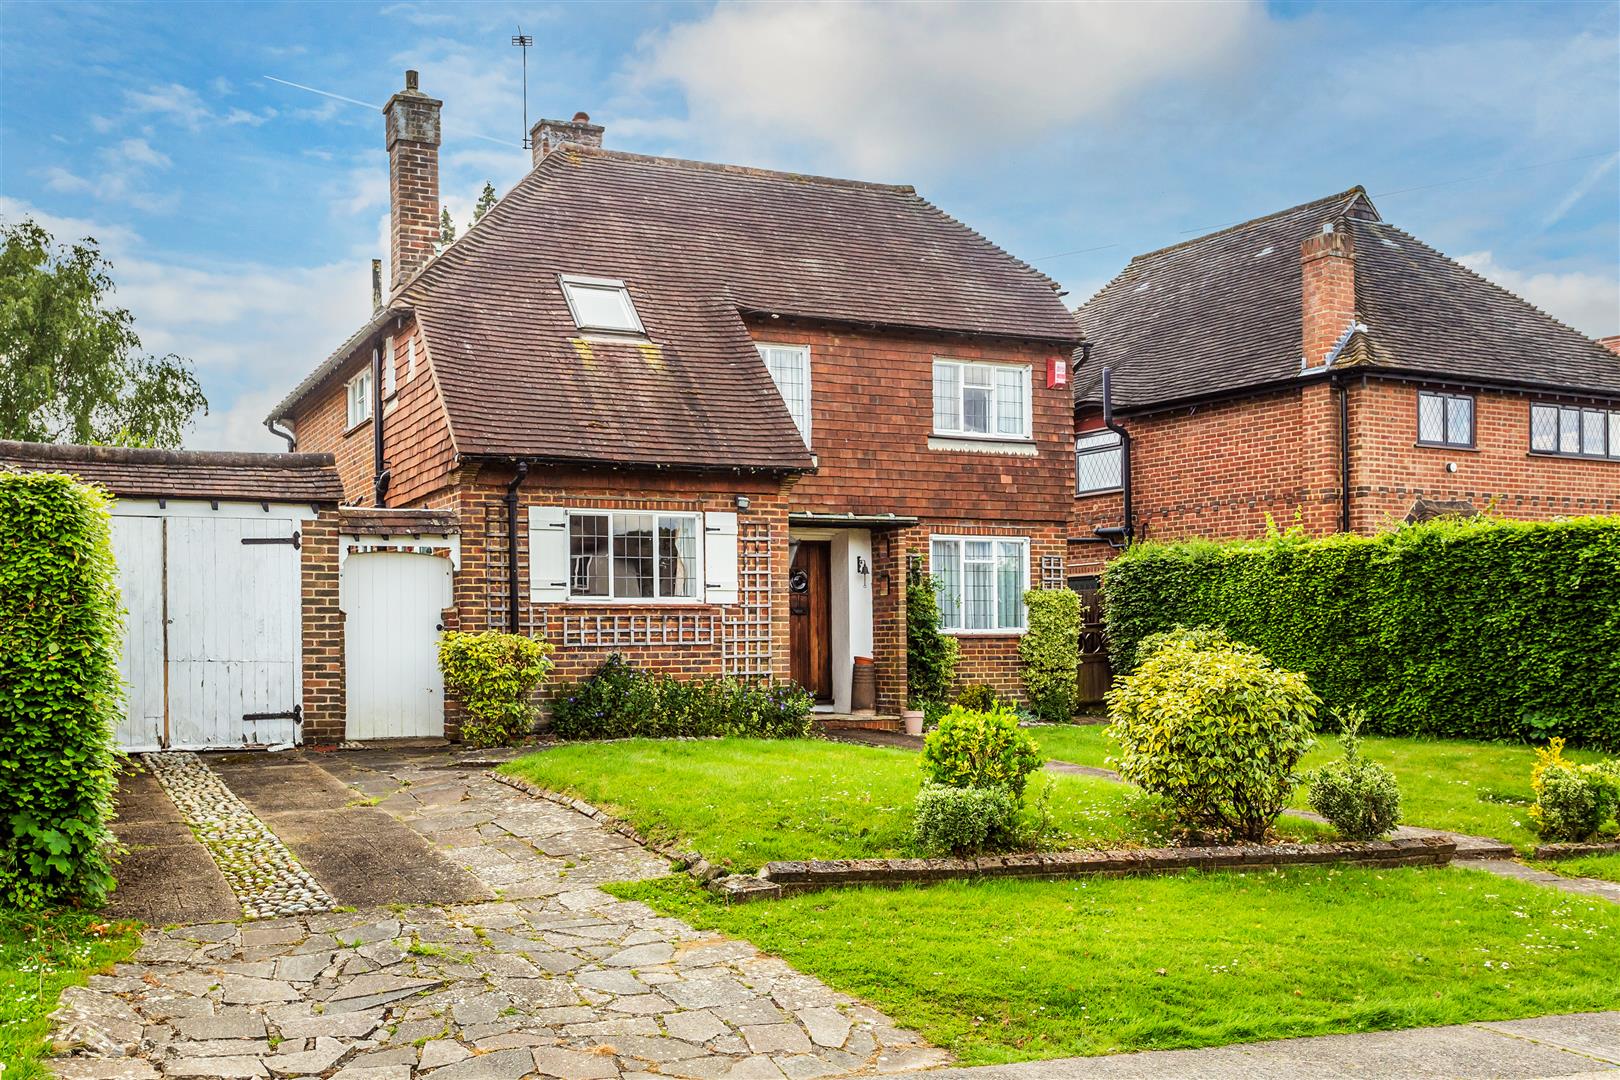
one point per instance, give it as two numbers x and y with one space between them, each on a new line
212 643
392 604
1095 673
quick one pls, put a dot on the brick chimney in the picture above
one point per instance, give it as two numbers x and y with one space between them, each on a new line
1328 302
412 120
1612 343
549 135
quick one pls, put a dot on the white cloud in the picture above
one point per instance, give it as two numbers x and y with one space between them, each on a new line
882 86
1588 302
139 152
179 103
252 330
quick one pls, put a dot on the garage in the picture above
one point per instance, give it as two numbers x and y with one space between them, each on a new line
212 551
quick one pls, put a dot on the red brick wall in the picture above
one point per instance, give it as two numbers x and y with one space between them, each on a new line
872 413
1217 470
324 674
1388 471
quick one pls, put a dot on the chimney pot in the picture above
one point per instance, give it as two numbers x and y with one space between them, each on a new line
548 135
410 79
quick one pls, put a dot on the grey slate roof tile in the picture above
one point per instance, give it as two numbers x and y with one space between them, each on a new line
185 474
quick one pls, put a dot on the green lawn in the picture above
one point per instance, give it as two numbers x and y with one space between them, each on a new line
39 955
1482 789
1606 867
746 802
1012 970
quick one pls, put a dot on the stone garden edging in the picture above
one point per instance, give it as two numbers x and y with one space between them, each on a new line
1576 851
780 879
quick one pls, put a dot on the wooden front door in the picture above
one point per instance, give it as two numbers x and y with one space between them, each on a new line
810 612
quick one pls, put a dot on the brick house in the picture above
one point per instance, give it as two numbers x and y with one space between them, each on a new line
1321 365
706 416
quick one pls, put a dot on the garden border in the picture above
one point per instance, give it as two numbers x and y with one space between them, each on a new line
1576 851
778 879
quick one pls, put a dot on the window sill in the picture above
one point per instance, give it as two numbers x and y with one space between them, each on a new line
1562 456
1470 448
978 444
639 601
1020 632
1099 491
351 429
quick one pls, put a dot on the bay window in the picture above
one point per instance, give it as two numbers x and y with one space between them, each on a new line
981 582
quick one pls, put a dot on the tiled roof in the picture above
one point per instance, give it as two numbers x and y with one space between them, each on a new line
379 521
698 246
185 474
1222 314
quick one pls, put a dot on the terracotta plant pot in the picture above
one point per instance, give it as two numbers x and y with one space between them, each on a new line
913 719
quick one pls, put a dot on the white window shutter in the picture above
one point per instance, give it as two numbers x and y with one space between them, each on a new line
548 554
720 557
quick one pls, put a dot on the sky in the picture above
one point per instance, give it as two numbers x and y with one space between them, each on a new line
241 213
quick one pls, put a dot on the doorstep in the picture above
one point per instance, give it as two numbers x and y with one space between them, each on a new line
853 722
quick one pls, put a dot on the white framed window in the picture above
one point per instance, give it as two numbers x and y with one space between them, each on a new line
410 358
789 366
622 555
390 380
982 580
1097 462
359 398
1573 431
600 304
981 401
1445 419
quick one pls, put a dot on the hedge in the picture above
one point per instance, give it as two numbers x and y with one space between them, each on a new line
60 693
1477 629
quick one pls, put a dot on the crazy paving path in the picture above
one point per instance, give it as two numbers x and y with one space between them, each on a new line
554 979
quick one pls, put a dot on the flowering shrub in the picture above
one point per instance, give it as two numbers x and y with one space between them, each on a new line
622 701
1573 801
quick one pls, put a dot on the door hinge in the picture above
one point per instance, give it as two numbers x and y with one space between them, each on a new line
295 714
296 540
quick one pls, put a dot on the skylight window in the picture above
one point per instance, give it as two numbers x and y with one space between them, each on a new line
601 304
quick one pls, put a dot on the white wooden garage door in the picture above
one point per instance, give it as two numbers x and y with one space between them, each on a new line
392 604
212 649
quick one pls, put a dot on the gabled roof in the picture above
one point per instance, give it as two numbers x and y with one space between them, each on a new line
1221 314
184 474
699 246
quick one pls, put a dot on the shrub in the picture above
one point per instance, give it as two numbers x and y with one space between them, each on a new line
964 820
930 653
1213 727
976 697
980 750
1472 629
60 694
621 701
494 675
1050 650
1358 796
1573 801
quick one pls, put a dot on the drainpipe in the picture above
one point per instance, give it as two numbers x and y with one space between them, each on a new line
1344 452
512 577
1128 529
282 433
382 475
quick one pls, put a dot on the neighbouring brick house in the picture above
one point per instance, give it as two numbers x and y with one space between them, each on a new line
1323 366
706 416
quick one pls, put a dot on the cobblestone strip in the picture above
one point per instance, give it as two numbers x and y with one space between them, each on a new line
265 876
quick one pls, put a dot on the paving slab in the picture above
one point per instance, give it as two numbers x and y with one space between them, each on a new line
166 875
1582 1045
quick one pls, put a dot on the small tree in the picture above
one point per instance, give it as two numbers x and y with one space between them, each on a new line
486 199
1360 797
1050 650
930 654
447 229
71 368
1215 728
